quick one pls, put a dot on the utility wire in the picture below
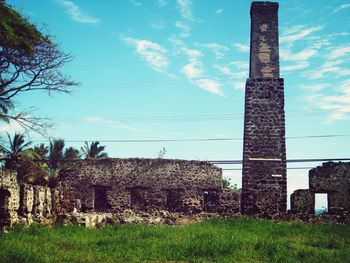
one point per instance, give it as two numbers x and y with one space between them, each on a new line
288 168
177 118
288 160
195 140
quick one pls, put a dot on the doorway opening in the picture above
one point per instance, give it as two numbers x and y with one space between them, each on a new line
4 206
321 203
100 199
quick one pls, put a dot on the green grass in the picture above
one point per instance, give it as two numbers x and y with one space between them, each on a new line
217 240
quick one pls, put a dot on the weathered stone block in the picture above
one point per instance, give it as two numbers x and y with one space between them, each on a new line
230 200
9 199
302 201
38 203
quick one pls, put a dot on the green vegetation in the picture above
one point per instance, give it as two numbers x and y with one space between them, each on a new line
39 164
219 240
16 32
30 61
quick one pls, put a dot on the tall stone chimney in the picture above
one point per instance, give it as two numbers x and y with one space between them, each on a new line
264 182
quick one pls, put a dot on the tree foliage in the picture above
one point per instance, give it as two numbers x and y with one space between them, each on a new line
15 150
16 32
93 151
29 61
60 157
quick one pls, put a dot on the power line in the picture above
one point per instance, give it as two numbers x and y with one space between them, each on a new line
288 160
288 168
177 118
195 139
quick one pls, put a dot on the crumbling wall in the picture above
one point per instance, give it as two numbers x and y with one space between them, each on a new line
330 178
23 204
333 179
143 185
230 201
302 201
9 198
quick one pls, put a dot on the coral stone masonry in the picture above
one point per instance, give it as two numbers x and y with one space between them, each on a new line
143 185
264 185
91 191
332 179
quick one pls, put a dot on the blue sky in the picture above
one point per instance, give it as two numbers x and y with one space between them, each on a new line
167 69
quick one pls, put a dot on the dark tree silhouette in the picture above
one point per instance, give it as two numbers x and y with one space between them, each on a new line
14 150
29 60
59 157
93 151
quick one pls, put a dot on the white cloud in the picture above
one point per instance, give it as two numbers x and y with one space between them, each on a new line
338 52
114 123
298 33
326 68
298 66
301 59
303 55
209 85
158 24
11 127
315 87
193 70
219 11
193 54
218 50
239 85
344 6
185 9
76 14
135 2
224 70
152 52
184 27
162 2
229 73
244 48
240 64
338 104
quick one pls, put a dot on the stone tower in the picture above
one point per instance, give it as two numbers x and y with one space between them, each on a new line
264 186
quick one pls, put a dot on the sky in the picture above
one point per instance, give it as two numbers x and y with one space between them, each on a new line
176 69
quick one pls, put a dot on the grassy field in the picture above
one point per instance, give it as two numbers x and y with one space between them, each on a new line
217 240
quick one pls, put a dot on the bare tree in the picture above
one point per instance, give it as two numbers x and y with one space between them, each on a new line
28 62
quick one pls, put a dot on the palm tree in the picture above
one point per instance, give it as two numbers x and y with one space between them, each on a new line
55 157
58 157
71 154
15 150
41 151
93 151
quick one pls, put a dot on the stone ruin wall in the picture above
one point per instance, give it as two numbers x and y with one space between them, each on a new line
94 190
23 204
148 184
330 178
